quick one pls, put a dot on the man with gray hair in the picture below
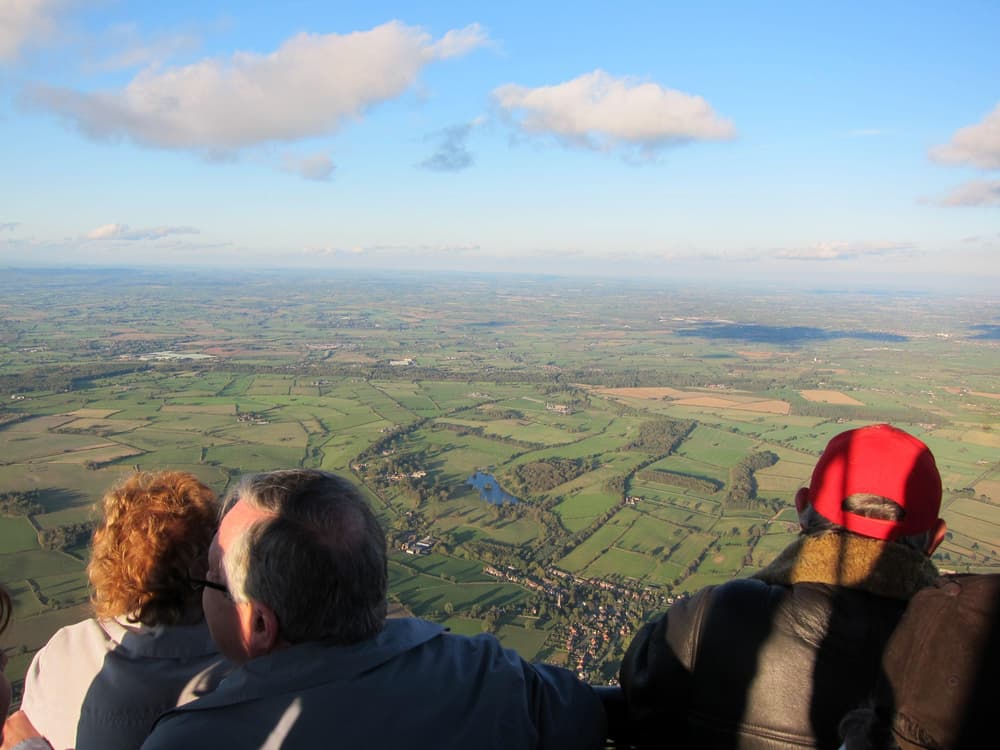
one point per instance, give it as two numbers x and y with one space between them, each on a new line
296 597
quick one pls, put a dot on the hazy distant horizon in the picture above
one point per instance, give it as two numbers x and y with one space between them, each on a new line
894 285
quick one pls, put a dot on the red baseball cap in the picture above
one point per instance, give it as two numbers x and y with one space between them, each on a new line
879 460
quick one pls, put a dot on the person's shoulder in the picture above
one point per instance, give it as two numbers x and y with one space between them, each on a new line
486 651
175 729
409 628
477 640
205 682
941 662
738 585
956 602
480 646
89 628
720 594
61 672
70 640
207 718
969 586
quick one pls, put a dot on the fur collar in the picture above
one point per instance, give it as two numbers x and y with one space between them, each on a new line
843 559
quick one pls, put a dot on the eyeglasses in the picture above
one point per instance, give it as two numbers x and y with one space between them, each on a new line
198 584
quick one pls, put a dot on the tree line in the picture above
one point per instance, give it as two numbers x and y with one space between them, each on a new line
677 479
537 477
67 536
743 484
20 503
661 436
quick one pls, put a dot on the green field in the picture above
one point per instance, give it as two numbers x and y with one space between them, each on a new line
650 536
17 535
618 563
36 563
578 510
595 545
423 594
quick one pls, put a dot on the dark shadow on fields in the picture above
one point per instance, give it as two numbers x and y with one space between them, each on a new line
789 335
59 498
987 332
495 599
545 654
463 536
433 602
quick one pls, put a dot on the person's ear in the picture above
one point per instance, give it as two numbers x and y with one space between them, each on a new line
260 629
937 537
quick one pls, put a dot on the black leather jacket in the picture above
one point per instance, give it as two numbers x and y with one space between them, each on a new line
773 663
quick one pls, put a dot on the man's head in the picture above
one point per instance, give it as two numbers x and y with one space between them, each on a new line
879 482
303 559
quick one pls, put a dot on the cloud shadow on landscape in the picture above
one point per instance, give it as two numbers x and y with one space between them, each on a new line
989 332
788 335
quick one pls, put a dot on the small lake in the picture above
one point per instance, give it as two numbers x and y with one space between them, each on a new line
489 489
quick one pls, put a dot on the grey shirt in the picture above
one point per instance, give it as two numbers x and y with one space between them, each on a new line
102 683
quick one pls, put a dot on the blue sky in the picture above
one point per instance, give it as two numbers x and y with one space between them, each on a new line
794 141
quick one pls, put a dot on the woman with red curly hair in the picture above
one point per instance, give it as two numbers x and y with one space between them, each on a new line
102 682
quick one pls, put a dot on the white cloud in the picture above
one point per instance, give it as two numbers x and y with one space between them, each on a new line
133 50
710 256
9 226
599 111
161 249
24 22
330 252
839 250
106 232
458 42
318 167
125 232
309 86
424 251
975 193
976 145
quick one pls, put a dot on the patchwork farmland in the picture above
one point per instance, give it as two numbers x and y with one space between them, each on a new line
620 432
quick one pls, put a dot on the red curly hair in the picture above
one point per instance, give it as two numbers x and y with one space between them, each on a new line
154 532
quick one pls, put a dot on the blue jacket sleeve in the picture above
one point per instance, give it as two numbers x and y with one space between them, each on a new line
567 712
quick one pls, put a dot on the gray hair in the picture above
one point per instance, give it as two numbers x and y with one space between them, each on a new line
319 563
870 506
